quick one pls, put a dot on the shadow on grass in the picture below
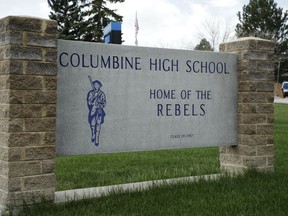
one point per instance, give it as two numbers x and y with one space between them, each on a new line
251 194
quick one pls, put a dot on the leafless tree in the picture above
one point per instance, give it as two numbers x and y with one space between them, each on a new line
216 31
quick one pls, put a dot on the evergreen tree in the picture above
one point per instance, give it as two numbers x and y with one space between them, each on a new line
204 45
82 19
98 16
68 15
262 18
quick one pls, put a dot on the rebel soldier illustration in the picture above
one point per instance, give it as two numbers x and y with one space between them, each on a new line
96 101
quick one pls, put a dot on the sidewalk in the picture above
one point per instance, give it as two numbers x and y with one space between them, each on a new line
280 100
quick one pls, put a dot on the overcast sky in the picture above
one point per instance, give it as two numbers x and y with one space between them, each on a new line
162 23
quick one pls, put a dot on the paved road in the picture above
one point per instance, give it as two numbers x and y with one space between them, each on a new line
280 100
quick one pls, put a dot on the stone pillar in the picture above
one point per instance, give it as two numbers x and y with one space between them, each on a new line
28 69
255 148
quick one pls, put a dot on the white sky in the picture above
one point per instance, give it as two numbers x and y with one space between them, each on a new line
162 23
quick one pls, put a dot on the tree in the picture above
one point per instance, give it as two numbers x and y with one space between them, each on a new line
82 19
215 31
203 45
262 18
98 17
67 13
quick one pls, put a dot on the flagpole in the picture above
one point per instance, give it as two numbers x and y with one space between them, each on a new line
136 30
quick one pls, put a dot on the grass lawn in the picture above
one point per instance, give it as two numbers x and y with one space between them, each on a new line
251 194
109 169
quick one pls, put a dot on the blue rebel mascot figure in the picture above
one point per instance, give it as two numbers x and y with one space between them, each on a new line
96 101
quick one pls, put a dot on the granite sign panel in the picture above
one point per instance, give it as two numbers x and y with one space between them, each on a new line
115 98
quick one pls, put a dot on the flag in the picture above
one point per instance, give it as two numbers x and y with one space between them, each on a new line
136 30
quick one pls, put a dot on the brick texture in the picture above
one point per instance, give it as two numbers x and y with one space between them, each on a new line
255 70
28 70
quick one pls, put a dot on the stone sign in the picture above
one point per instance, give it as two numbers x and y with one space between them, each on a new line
113 98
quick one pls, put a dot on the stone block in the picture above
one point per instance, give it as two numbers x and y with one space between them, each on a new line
11 125
270 139
254 140
25 110
41 68
252 97
11 96
247 108
242 150
24 82
14 199
4 96
24 139
265 129
265 108
37 196
267 150
264 86
3 183
25 168
12 38
39 182
40 97
4 83
254 162
266 66
247 65
240 45
15 154
20 53
222 47
4 110
50 27
4 169
48 166
270 97
270 118
50 82
3 198
270 160
256 55
42 40
49 138
4 139
223 150
38 153
244 86
230 159
49 111
11 67
3 153
40 124
50 55
265 45
247 129
252 119
253 76
16 23
14 184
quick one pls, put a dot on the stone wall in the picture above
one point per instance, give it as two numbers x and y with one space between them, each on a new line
255 107
28 68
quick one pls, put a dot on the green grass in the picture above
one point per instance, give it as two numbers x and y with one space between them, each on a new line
251 194
281 138
109 169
